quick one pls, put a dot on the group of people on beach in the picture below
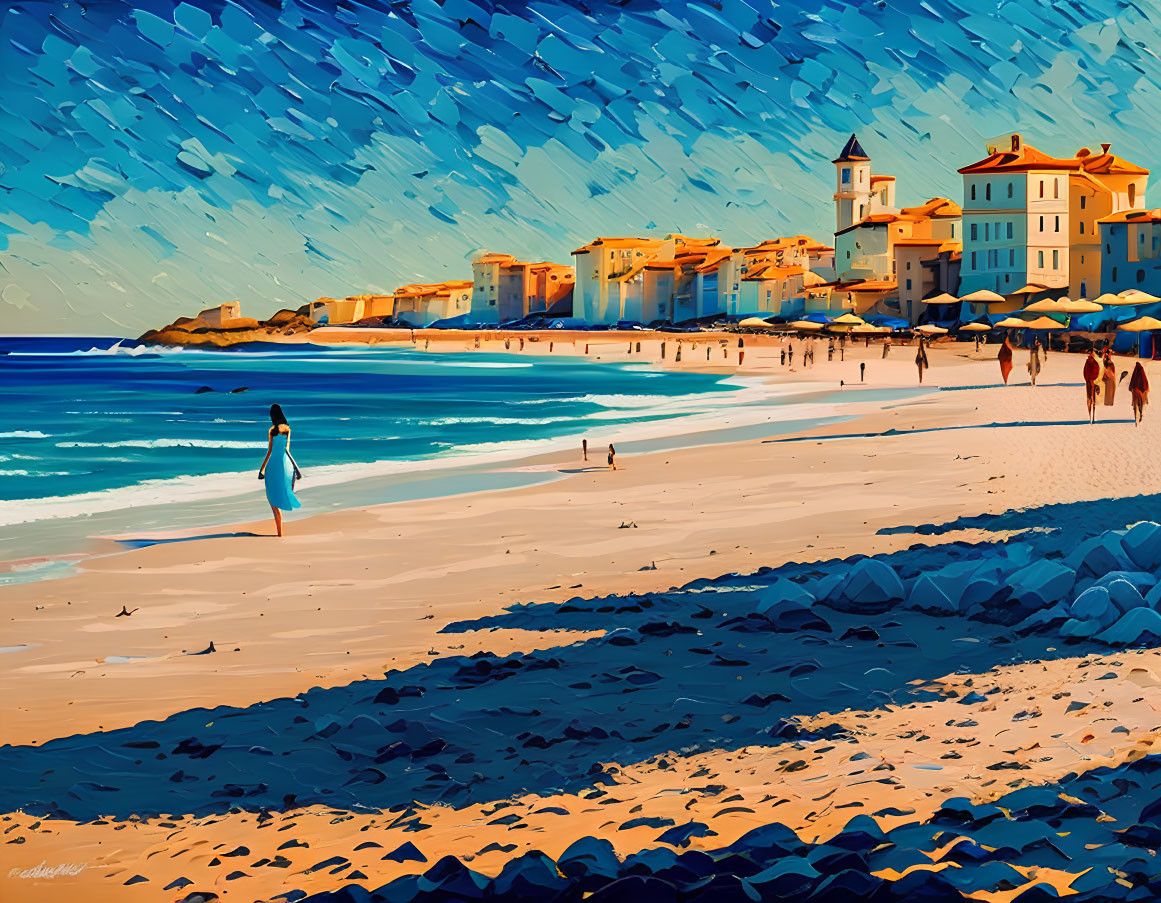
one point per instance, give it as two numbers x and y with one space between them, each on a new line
1100 377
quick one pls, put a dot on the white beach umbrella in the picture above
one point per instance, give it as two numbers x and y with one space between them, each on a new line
984 296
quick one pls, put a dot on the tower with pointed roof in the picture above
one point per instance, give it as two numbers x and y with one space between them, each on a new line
858 192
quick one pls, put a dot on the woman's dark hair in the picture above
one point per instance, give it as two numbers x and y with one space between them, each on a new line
277 417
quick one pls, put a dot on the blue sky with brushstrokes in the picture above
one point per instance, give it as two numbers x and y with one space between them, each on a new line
158 157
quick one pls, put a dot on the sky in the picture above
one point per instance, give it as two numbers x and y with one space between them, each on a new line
160 157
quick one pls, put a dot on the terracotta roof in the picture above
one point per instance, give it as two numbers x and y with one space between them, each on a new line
934 207
497 258
852 150
773 271
918 242
875 179
421 289
1026 159
1106 164
874 285
714 259
645 244
693 242
1133 216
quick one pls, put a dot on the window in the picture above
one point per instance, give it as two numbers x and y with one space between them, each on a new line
975 231
1084 288
908 264
953 230
1041 224
1108 248
1040 255
848 255
1009 189
1082 258
1007 277
1056 260
908 285
1083 200
1082 227
1056 188
973 192
1009 230
1140 238
987 231
974 260
861 211
988 192
997 231
1011 257
1132 193
1056 227
1114 274
1140 276
846 174
1041 188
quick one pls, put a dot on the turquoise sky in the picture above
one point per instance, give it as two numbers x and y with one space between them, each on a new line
158 157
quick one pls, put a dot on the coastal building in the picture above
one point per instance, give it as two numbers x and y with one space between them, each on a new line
1105 185
425 303
504 288
342 311
219 316
1030 218
618 278
1131 251
859 193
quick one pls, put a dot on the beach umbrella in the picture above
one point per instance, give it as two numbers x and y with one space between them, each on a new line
757 322
806 324
1136 296
931 329
1062 306
1044 323
849 320
976 327
1013 323
1029 290
1141 324
942 298
984 296
1108 299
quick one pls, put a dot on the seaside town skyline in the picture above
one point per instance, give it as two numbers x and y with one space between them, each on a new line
1067 226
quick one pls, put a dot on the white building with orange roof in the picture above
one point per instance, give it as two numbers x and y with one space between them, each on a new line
1031 218
1131 251
505 288
425 303
611 283
859 193
865 250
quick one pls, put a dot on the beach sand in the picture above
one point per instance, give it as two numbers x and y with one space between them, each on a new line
352 594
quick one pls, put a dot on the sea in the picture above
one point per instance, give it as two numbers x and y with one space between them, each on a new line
105 437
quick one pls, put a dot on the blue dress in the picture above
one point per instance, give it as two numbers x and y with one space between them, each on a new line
279 476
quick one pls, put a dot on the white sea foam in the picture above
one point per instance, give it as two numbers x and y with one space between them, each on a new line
25 434
164 443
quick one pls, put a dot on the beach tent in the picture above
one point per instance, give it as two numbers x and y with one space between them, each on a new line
931 329
806 325
757 323
976 327
848 320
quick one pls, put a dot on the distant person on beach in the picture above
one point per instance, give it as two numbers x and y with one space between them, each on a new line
1034 362
612 457
886 348
1139 392
862 371
783 356
283 470
921 363
1092 372
741 350
790 354
830 350
1109 377
1005 359
585 448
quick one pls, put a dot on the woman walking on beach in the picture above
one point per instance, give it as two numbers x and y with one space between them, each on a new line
1109 377
1005 359
1034 362
921 359
612 457
282 469
1139 392
1092 372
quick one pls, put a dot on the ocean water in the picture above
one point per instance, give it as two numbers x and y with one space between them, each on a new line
108 435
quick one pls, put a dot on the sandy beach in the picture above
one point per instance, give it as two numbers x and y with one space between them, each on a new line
352 595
